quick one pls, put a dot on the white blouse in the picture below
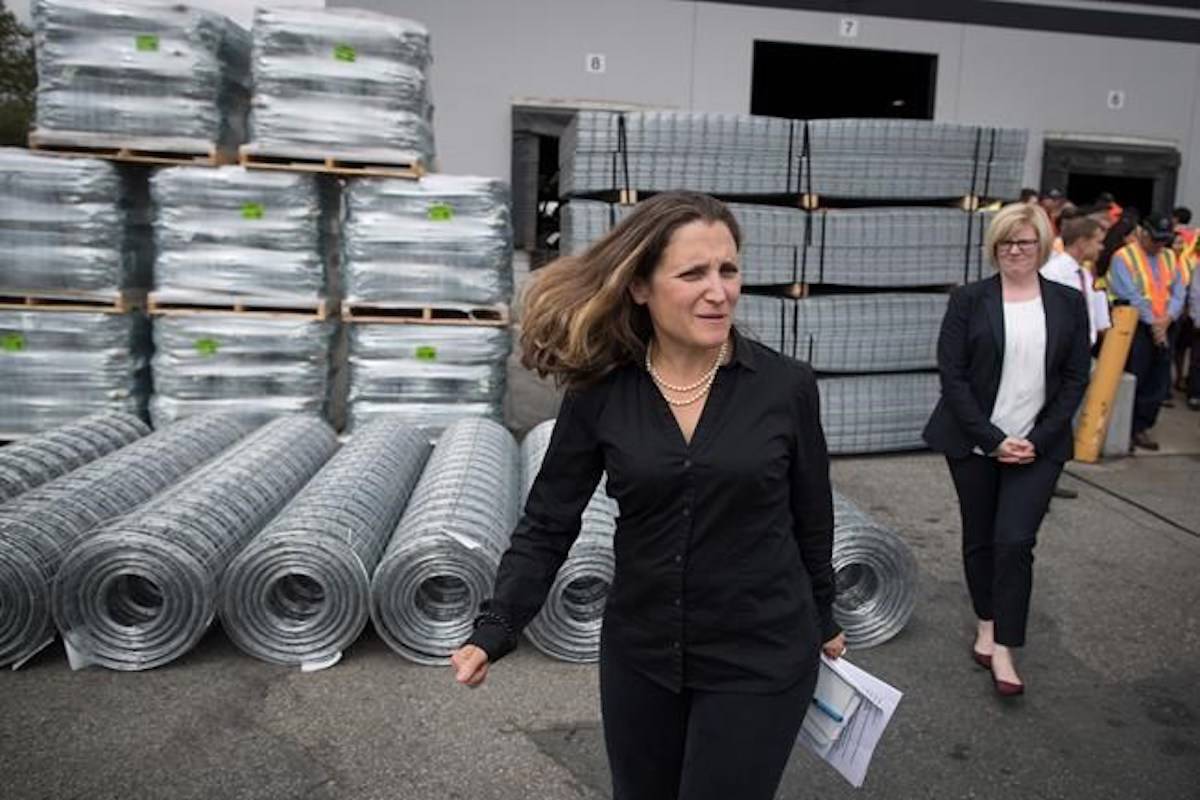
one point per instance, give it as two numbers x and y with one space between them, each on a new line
1023 375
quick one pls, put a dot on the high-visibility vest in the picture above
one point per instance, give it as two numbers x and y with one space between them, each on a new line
1152 285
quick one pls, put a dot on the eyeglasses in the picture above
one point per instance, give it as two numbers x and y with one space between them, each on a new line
1022 245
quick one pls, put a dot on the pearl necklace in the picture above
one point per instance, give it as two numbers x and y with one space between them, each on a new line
703 385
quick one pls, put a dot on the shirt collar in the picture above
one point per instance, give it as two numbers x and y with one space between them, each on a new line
743 351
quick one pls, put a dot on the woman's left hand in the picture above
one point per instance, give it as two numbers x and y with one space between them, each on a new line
835 647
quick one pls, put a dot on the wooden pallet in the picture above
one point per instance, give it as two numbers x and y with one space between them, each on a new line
65 300
178 304
130 150
448 314
250 157
815 202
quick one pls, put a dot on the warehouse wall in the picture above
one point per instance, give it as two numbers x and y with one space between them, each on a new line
697 56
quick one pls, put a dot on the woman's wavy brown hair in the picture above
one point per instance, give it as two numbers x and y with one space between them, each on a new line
579 321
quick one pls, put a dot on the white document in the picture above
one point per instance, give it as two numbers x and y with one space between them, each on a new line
852 744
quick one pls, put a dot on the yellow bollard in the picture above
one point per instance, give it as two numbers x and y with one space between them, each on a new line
1102 390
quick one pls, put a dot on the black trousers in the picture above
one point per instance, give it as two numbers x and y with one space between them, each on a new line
1002 506
1152 366
695 745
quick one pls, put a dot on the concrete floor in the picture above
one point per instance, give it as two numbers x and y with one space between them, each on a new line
1112 711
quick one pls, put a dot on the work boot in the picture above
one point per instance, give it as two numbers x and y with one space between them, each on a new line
1142 439
1194 403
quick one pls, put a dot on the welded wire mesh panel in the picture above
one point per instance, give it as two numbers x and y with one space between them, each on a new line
140 591
429 375
661 150
141 70
877 413
770 320
243 232
49 455
341 81
300 591
239 363
869 332
890 247
39 527
568 625
445 238
876 576
442 560
978 263
71 224
56 367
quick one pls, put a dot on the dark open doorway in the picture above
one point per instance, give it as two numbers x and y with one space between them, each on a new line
1139 176
802 81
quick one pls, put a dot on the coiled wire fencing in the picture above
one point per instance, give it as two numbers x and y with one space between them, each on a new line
141 590
568 625
442 561
38 528
300 593
876 577
46 456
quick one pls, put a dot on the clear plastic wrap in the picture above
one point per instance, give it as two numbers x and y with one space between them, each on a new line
139 591
442 560
877 413
241 232
429 375
315 69
58 366
300 593
445 238
240 363
73 224
136 70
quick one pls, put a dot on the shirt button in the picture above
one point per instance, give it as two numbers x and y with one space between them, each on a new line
676 644
678 602
687 463
678 559
687 512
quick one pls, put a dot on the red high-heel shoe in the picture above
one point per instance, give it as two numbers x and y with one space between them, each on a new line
982 659
1007 688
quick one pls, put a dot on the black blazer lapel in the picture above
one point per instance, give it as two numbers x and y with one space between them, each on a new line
1054 312
993 303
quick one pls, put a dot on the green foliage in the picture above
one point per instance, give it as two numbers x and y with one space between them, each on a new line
18 80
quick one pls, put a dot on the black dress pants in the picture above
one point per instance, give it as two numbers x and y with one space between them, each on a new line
695 745
1002 506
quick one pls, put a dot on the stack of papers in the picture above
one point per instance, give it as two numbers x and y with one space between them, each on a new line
849 712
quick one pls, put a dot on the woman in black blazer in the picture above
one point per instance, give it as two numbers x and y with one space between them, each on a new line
1013 358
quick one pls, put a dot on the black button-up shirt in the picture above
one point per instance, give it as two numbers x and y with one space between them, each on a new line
723 577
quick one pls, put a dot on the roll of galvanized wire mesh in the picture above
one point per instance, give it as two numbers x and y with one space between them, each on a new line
140 591
568 626
442 560
876 577
300 593
38 527
46 456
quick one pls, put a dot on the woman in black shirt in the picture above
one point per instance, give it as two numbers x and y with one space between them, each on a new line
723 589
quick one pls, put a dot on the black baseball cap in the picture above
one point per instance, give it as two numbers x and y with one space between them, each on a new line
1159 227
1054 194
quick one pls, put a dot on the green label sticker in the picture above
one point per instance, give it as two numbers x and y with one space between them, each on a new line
427 353
146 43
441 212
344 52
207 347
12 342
252 210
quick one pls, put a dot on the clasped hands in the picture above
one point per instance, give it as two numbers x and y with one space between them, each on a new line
1158 330
1016 451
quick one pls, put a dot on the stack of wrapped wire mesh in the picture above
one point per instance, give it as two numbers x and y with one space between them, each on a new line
427 375
40 526
232 231
300 592
445 238
568 626
57 366
140 590
74 225
169 73
316 69
240 363
441 562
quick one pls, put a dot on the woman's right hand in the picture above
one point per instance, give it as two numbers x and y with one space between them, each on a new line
470 664
1015 451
